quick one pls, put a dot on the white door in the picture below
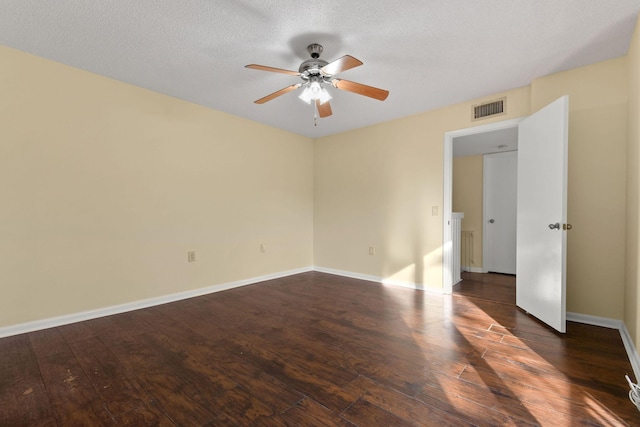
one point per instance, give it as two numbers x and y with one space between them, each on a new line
499 200
542 213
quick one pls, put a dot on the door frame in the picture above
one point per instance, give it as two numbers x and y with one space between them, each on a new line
447 205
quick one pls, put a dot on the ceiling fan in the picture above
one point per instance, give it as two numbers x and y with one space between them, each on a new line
316 73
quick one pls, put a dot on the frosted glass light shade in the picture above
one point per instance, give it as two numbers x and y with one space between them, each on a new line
315 91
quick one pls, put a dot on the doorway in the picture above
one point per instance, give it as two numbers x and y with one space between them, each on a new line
499 210
484 190
543 142
477 140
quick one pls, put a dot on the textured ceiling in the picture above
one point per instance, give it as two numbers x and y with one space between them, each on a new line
427 53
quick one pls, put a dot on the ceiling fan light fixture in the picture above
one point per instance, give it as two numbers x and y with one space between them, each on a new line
315 92
306 95
323 96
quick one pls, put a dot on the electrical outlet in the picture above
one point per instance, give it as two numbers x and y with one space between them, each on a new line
191 256
372 250
263 248
434 211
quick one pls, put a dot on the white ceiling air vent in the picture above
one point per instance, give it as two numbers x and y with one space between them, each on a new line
493 108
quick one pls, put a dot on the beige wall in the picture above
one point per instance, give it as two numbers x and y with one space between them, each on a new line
632 280
596 182
467 198
105 187
376 187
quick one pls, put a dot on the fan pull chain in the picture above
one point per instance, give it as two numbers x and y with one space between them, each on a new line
315 114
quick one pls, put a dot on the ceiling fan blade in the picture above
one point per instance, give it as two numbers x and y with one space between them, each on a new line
345 63
360 89
324 109
272 69
277 93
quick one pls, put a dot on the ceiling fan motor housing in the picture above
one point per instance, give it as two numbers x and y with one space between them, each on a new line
311 67
315 50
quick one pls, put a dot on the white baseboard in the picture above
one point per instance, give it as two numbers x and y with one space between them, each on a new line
378 279
634 358
594 320
136 305
630 348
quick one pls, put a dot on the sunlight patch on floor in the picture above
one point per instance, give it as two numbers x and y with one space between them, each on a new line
601 413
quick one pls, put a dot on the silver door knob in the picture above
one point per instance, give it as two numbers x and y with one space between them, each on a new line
492 220
556 226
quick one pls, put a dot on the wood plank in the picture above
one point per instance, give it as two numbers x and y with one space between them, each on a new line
23 397
73 398
403 406
271 391
538 366
144 415
241 407
222 396
477 404
393 366
565 404
47 342
366 414
310 412
301 377
76 331
167 381
120 392
554 386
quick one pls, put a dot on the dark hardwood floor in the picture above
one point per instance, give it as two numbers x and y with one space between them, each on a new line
489 286
319 350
